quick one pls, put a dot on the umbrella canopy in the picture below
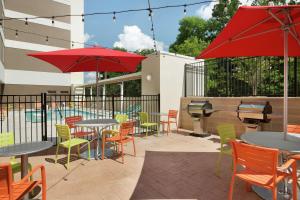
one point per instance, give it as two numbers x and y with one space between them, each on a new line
260 31
96 59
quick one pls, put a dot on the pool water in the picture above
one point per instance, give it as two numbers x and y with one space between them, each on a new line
35 116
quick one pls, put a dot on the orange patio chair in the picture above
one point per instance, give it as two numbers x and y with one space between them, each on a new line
293 128
259 166
70 121
15 190
172 119
125 135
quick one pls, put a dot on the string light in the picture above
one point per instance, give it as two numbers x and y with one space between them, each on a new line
225 8
114 17
26 21
17 34
150 13
72 43
184 10
82 18
47 39
112 12
1 20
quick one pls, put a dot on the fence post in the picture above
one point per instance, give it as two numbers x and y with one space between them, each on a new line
44 116
113 106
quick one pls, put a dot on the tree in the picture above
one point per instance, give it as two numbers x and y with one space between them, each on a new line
191 38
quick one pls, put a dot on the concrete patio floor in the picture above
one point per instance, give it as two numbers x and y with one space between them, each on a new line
177 166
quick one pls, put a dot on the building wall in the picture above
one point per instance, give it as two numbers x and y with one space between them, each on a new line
227 107
151 67
18 68
11 89
172 80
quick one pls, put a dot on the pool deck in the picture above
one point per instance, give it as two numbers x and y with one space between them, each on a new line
177 166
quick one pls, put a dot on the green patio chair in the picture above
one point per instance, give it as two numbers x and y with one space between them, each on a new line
64 133
6 139
120 118
226 133
144 122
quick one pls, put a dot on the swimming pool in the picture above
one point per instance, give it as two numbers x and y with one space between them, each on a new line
35 116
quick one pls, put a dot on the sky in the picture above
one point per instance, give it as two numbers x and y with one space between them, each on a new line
133 30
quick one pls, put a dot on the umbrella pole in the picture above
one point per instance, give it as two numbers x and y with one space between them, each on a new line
285 98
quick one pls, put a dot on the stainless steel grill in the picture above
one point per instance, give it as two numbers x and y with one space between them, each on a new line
199 111
254 114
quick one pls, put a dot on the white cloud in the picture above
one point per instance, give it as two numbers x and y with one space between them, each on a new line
88 37
90 77
133 39
205 11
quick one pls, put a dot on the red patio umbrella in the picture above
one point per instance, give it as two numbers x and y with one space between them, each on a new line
260 31
96 59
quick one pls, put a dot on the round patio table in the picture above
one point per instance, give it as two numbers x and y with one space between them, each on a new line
273 140
98 124
23 150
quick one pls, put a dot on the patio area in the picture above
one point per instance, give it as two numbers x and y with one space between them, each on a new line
177 166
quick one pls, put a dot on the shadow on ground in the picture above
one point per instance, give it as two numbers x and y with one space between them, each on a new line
186 175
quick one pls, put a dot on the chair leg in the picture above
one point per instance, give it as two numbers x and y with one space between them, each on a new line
274 191
295 181
231 187
134 148
44 185
57 148
169 128
103 148
78 151
69 155
89 151
122 152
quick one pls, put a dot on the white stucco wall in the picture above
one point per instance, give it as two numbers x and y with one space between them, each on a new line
24 77
77 34
2 71
150 67
172 80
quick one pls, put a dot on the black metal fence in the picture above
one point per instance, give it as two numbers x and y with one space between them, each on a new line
33 117
252 76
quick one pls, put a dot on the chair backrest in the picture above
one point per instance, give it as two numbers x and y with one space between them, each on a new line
126 128
255 158
70 121
143 117
172 114
6 138
120 118
63 131
6 179
226 132
293 128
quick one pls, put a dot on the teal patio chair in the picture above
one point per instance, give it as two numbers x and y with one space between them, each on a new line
144 122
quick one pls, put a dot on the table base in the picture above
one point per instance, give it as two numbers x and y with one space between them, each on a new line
267 194
109 152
